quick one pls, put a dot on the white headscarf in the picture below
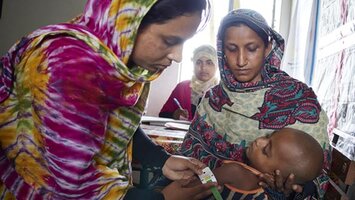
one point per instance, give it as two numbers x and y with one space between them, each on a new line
200 87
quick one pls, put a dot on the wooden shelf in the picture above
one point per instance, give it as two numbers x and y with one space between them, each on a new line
342 174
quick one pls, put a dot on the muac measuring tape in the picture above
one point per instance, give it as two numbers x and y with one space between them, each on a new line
208 176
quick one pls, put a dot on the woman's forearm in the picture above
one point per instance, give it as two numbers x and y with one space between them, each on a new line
146 151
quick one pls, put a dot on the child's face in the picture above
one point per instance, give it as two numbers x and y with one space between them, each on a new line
271 152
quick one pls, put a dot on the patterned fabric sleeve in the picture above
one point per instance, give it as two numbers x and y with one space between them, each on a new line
54 155
204 141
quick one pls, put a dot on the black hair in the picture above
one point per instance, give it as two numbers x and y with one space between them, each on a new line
164 10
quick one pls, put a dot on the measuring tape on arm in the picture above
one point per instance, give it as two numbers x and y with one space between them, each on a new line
208 176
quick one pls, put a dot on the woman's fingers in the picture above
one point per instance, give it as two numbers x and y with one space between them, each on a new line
184 175
288 184
185 113
186 183
180 167
279 181
266 181
197 165
297 188
202 191
176 191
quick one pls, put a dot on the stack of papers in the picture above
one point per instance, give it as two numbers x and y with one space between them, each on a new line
161 121
177 126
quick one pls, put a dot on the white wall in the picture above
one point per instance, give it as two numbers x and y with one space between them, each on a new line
20 17
161 89
286 10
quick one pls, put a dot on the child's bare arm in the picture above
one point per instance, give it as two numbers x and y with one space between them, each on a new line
236 176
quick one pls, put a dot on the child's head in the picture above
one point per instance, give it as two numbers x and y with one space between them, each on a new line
290 151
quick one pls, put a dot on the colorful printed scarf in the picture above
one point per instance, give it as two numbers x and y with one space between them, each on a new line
198 88
233 114
70 105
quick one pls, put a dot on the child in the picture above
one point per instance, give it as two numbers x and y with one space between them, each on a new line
289 150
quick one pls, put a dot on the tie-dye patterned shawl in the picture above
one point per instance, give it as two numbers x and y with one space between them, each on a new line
232 114
70 105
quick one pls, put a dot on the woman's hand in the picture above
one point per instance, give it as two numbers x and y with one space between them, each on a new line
182 114
278 183
176 191
182 168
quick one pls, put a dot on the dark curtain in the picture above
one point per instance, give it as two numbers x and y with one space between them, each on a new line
0 8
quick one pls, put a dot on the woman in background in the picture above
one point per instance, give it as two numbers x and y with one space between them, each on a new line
188 93
254 98
72 96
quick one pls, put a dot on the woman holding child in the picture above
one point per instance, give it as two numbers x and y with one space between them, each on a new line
253 98
72 96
